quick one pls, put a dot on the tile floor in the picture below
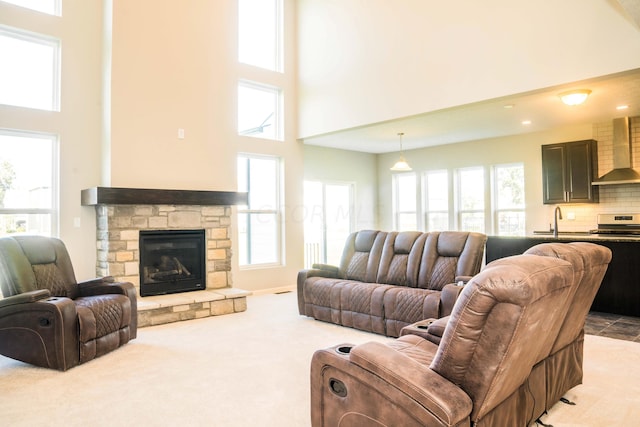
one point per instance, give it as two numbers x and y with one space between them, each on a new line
613 326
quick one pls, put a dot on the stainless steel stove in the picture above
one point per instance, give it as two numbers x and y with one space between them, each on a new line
618 224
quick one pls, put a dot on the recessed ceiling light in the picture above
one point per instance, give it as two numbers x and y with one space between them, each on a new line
622 107
526 122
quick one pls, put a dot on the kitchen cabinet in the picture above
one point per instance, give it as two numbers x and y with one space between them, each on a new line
619 292
568 169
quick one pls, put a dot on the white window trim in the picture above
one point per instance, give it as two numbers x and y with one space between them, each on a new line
54 211
43 40
279 214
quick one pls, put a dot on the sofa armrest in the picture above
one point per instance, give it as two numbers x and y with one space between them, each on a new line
25 297
436 394
107 285
46 330
327 270
448 298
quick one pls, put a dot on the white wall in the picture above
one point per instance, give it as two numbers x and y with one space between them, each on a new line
367 61
175 66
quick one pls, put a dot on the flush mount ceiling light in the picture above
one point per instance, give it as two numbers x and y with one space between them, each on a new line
574 97
401 165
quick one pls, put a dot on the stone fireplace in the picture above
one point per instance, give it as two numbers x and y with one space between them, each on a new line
122 214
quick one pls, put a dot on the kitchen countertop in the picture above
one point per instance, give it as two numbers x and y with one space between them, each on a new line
580 236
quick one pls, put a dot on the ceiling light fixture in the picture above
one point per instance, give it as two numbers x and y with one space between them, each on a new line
574 97
401 165
622 107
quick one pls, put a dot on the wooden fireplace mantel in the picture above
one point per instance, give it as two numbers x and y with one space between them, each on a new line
143 196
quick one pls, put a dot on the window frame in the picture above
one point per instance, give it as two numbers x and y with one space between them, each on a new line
278 59
45 40
278 113
397 212
277 212
459 212
495 200
54 210
426 210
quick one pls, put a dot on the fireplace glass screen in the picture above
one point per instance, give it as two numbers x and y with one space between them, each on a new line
172 261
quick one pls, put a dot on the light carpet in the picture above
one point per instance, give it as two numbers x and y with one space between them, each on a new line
252 369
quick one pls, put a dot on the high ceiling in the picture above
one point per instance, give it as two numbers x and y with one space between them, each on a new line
496 117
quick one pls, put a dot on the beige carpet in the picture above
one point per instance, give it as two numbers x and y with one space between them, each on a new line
252 369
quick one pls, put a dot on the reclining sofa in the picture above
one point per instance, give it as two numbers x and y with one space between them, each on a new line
388 280
508 348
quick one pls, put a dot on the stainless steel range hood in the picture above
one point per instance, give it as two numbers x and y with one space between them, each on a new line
622 172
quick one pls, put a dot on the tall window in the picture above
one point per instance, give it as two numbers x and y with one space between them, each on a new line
260 33
471 205
52 7
405 202
28 167
436 200
327 221
260 222
259 111
508 194
30 70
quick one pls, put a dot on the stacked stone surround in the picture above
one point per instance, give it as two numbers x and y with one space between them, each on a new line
118 255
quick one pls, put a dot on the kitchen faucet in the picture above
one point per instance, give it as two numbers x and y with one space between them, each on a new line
556 214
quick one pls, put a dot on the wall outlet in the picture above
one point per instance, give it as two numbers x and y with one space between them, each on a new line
571 216
76 222
180 133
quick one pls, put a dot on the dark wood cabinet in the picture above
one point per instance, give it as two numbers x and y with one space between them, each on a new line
619 292
568 169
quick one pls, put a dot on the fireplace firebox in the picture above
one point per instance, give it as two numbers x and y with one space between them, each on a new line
172 261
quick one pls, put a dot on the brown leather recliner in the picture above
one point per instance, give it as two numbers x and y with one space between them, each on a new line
560 369
50 320
496 333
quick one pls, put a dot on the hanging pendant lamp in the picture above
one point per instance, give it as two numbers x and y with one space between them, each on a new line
401 165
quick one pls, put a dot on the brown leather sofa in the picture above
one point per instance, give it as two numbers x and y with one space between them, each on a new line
497 332
560 369
50 320
388 280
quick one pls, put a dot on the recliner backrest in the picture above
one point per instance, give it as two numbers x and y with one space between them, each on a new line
361 255
494 335
594 260
400 258
448 254
37 262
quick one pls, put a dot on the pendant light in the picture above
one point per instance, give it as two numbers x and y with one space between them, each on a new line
401 165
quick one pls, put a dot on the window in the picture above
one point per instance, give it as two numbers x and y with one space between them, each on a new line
259 33
471 204
327 221
508 194
405 204
28 165
52 7
29 75
259 223
259 111
436 200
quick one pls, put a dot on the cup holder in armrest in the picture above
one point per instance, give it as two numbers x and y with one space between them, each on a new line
344 348
424 325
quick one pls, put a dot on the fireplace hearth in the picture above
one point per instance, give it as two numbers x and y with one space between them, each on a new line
172 261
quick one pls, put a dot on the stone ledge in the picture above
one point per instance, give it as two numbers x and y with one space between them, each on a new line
160 309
